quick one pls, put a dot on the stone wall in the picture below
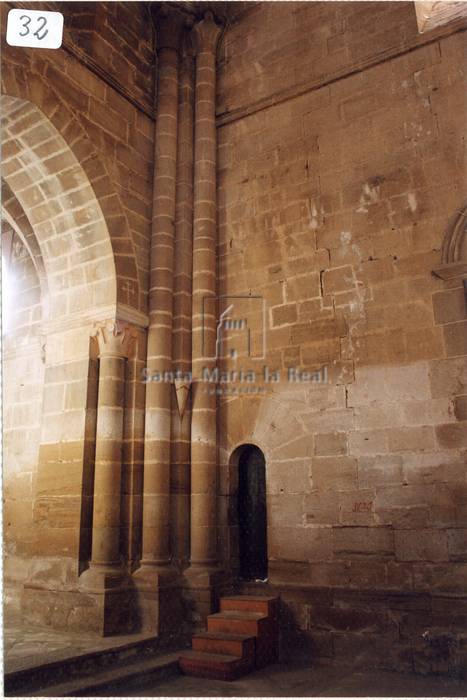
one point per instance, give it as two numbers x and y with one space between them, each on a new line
23 377
340 170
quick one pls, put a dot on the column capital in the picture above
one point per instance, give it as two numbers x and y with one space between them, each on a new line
114 338
170 24
206 34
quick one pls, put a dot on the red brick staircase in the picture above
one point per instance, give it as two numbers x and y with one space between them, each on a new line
239 638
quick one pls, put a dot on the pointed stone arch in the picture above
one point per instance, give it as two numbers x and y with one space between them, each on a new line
66 219
48 103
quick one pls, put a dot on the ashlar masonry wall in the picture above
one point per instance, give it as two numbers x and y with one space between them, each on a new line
341 167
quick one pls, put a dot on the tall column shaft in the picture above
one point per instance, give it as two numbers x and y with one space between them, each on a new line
156 488
203 426
106 581
181 412
105 569
108 465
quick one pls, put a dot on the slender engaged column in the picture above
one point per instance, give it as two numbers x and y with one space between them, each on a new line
204 434
105 569
181 412
156 488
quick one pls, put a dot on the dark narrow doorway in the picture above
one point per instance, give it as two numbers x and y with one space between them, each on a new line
252 517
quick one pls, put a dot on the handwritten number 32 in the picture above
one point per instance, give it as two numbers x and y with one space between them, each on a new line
40 32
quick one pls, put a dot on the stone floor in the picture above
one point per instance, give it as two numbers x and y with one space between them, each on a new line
303 681
25 646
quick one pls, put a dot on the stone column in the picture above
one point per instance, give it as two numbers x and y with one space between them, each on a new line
204 400
155 570
106 577
181 410
156 551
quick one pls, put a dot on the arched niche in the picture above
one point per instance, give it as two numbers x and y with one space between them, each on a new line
249 466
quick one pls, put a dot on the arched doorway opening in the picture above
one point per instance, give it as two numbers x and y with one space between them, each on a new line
252 514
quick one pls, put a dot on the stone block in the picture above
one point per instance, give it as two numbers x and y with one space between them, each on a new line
289 476
452 435
357 507
411 439
421 545
378 415
455 338
303 287
318 330
448 377
284 315
403 383
427 412
323 352
340 279
330 444
457 544
449 305
362 542
285 510
299 448
370 442
334 473
460 407
448 577
300 544
379 470
321 508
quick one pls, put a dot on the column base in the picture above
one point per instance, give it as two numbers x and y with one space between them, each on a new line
158 600
201 592
111 592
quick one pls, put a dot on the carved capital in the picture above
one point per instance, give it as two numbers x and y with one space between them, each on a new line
114 339
170 25
206 34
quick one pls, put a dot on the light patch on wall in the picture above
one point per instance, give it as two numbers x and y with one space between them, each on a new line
7 294
346 237
370 195
313 214
412 200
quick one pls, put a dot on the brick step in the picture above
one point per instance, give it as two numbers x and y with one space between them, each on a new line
222 643
223 667
238 622
250 603
239 638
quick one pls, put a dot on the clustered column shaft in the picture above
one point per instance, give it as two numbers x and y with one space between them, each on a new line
182 308
204 432
156 495
181 415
